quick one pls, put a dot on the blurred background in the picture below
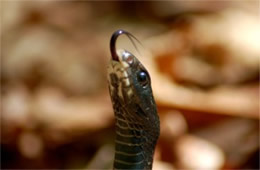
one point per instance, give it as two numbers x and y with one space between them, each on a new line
203 58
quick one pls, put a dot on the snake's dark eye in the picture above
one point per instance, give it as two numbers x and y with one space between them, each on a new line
143 78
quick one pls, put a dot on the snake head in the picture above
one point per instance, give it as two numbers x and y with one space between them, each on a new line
130 78
130 85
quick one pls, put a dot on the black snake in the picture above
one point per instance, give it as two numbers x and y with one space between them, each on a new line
137 121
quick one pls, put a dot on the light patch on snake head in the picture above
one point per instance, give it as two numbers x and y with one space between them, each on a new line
122 86
125 78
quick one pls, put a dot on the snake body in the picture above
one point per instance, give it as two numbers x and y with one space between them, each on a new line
137 121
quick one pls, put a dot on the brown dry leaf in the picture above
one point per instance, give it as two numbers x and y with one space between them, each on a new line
223 100
196 153
237 137
240 63
15 109
30 145
162 165
173 125
56 111
213 49
50 108
102 159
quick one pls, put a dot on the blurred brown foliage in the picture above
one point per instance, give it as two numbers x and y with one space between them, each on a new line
203 57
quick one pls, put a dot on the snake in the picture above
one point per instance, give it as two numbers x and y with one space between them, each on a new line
137 123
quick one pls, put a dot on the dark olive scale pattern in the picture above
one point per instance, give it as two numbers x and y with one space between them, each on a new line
137 122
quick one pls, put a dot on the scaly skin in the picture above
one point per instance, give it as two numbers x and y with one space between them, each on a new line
137 121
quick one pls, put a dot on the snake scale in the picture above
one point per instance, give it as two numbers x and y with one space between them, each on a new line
137 121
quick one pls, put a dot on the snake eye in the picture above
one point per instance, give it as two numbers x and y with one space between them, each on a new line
143 78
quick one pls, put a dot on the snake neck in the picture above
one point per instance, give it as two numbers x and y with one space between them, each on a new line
135 143
137 121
